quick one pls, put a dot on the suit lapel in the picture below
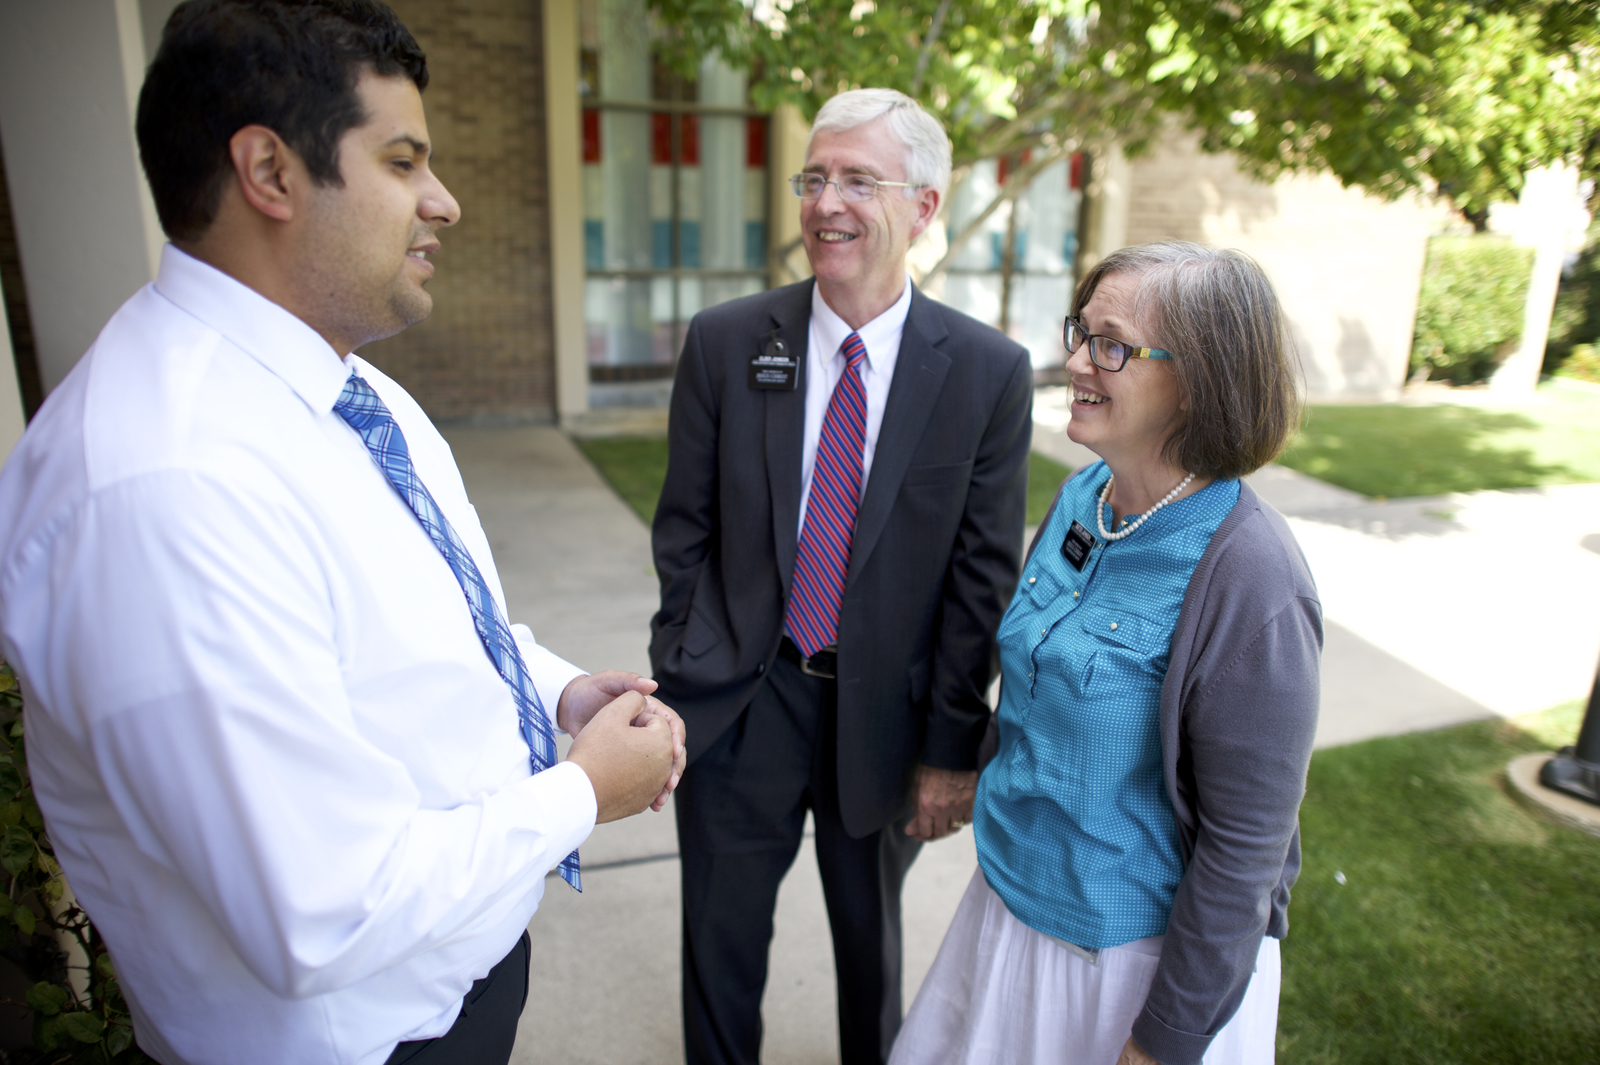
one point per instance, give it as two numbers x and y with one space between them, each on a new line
919 374
785 430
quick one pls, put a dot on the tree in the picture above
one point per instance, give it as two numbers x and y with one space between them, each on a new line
1462 96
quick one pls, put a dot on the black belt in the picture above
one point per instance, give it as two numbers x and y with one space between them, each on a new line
824 664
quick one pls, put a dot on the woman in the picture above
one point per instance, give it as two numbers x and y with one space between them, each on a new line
1138 829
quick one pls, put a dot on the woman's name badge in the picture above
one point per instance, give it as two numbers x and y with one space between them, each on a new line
776 367
1076 547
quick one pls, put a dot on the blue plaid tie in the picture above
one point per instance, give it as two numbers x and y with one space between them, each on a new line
360 406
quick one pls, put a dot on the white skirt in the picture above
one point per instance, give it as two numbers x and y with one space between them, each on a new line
1000 992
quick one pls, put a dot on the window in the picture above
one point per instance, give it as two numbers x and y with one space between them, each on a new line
675 194
1042 228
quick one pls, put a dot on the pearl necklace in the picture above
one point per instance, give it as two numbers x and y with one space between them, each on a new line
1105 494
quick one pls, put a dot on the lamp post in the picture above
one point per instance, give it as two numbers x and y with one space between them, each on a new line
1575 770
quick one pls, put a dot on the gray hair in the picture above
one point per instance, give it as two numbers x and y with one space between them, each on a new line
927 147
1232 351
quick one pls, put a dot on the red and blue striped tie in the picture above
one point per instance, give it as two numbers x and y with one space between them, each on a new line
824 556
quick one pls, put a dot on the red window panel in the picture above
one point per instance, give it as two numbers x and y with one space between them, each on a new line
661 125
755 143
661 139
1004 169
591 136
690 144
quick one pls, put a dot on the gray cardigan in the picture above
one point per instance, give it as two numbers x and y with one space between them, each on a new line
1238 717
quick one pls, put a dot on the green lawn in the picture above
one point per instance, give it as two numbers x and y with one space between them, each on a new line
1465 929
1421 451
636 466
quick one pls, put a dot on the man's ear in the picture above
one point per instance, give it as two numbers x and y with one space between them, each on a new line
266 170
927 204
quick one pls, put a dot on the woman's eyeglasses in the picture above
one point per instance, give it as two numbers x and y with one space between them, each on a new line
1106 352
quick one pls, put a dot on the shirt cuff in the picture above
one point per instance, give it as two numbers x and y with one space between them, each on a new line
565 806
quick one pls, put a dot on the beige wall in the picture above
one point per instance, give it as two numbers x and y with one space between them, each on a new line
1346 265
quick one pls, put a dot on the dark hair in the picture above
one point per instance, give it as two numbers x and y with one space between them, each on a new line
289 65
1232 352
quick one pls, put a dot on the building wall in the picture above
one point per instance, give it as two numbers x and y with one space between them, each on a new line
1346 265
487 352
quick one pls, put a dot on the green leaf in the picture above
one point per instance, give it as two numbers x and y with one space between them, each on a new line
48 999
84 1027
16 849
120 1038
103 967
47 1033
11 780
24 919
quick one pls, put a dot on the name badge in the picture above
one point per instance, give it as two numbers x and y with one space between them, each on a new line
1076 547
776 367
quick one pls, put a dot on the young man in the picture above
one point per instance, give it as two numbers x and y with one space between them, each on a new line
296 765
839 533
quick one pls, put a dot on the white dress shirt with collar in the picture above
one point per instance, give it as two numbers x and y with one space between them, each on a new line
279 770
825 364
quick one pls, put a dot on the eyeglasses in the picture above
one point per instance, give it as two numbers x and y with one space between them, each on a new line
1106 352
857 188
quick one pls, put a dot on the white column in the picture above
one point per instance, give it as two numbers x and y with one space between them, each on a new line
789 139
1108 208
564 152
86 229
1542 219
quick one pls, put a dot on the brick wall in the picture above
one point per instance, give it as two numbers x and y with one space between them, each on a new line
487 352
1347 266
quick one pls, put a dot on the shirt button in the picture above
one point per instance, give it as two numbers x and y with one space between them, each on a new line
1074 595
1032 579
1113 626
1043 631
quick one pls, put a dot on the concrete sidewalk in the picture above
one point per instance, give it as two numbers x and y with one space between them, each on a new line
1438 611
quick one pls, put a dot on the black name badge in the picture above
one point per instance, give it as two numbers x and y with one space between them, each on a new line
776 367
1076 547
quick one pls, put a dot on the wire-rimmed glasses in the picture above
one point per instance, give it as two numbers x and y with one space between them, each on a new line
856 188
1108 353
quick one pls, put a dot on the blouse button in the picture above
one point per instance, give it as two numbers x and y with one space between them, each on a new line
1113 626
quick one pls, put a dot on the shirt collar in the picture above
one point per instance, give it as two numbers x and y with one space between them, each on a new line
274 337
878 335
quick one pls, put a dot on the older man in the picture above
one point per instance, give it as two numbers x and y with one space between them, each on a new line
838 536
297 766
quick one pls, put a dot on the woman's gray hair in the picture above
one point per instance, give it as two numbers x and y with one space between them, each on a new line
1232 352
927 147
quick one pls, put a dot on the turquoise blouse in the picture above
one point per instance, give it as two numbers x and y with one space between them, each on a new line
1074 828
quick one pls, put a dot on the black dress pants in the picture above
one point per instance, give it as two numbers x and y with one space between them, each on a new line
486 1029
741 811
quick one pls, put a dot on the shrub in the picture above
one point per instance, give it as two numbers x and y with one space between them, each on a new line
1470 310
1576 321
79 1015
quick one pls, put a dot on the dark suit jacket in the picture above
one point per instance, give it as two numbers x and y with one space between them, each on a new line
933 561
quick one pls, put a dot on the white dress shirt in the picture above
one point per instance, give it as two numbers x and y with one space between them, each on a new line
825 364
278 768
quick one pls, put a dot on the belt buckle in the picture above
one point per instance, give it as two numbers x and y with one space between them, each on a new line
826 659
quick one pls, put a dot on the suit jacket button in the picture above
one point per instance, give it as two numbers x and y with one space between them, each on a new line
761 667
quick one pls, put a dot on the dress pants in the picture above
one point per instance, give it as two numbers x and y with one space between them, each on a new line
741 811
486 1029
